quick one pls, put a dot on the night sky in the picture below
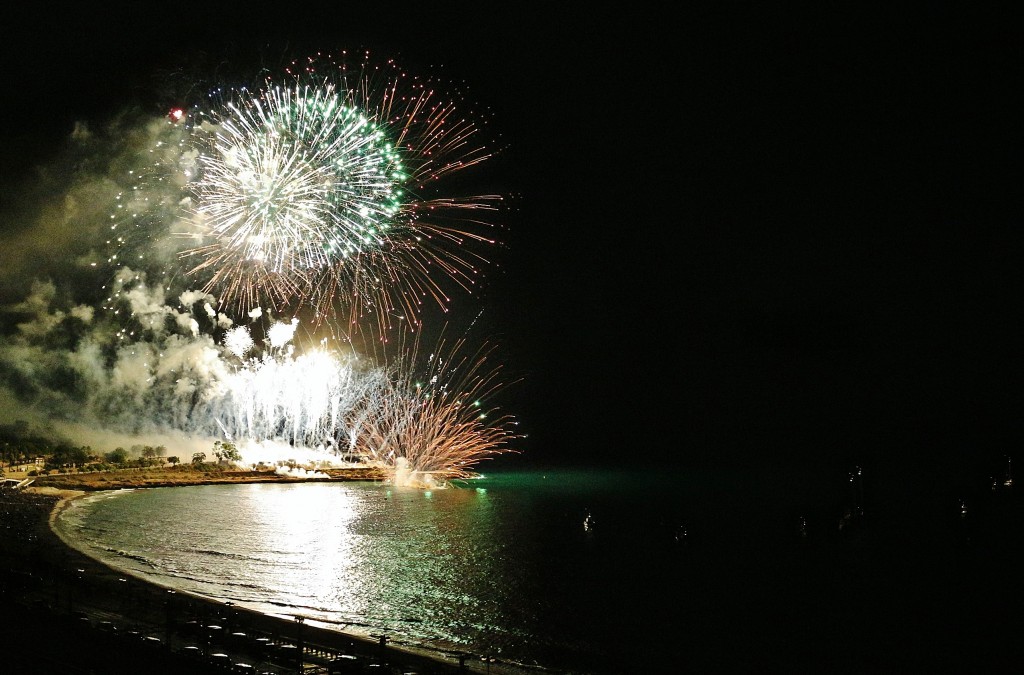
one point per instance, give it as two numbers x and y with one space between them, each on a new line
738 237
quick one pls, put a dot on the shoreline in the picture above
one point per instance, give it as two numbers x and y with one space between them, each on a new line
186 475
58 580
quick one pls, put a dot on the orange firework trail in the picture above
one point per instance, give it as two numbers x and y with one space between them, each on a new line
438 426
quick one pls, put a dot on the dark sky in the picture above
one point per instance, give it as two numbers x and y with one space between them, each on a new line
740 236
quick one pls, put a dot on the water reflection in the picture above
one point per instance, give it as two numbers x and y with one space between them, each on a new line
307 536
363 557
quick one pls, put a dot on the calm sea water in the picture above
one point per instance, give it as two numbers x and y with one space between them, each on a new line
559 569
575 571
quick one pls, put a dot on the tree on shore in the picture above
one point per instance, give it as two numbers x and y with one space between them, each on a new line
116 456
225 451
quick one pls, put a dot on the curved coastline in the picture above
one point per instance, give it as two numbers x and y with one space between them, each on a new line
62 580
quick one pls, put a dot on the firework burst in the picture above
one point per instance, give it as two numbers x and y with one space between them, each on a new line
320 190
433 424
304 400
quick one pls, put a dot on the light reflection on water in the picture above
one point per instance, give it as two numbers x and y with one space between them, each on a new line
429 568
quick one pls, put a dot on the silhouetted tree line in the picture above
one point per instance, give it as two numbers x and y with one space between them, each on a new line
19 445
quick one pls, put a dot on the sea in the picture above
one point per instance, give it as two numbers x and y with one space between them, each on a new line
564 571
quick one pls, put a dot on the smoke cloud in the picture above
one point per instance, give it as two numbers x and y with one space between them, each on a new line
96 351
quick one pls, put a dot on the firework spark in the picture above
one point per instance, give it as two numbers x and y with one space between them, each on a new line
435 425
305 400
320 190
